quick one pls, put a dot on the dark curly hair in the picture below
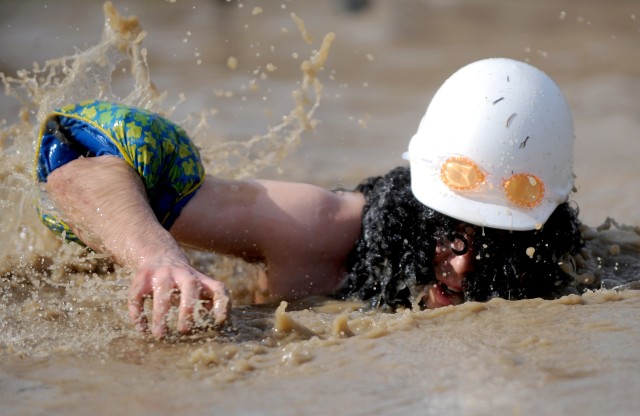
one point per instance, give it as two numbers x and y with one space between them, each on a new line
392 260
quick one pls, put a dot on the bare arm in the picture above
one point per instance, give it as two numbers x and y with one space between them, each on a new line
301 232
105 201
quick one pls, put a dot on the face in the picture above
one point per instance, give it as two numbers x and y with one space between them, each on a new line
453 261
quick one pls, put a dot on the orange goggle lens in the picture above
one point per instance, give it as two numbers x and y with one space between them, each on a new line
459 173
524 190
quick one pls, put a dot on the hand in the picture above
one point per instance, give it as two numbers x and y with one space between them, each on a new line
161 279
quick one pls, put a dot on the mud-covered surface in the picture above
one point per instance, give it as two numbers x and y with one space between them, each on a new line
231 74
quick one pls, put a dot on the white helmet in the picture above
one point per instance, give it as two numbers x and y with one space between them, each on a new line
495 147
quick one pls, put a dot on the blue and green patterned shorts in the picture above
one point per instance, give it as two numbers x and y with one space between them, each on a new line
159 150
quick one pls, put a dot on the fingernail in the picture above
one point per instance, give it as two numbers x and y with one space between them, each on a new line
185 328
158 331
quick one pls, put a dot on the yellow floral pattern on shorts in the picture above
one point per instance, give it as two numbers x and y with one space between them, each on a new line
159 150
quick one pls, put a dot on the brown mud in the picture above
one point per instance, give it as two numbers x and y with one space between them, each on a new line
233 75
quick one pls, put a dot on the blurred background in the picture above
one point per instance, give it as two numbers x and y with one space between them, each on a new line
66 345
388 59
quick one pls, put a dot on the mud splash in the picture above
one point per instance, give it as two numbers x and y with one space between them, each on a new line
58 284
66 344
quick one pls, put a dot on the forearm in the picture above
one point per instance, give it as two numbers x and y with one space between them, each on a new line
104 202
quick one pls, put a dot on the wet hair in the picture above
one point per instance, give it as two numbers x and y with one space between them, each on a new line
392 261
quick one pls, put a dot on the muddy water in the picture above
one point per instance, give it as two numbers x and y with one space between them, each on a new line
65 344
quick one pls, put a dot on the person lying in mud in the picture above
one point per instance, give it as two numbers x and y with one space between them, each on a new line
481 211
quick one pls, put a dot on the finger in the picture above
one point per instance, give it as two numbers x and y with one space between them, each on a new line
221 307
189 293
138 291
162 291
218 292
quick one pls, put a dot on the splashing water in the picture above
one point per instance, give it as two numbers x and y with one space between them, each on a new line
62 308
34 264
37 266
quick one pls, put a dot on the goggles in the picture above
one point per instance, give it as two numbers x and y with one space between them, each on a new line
461 174
457 242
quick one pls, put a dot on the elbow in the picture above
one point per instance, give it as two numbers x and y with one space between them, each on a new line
60 182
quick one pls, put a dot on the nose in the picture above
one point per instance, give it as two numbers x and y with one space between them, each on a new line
462 264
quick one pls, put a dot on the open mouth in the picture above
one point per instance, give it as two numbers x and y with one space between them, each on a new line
442 295
449 291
